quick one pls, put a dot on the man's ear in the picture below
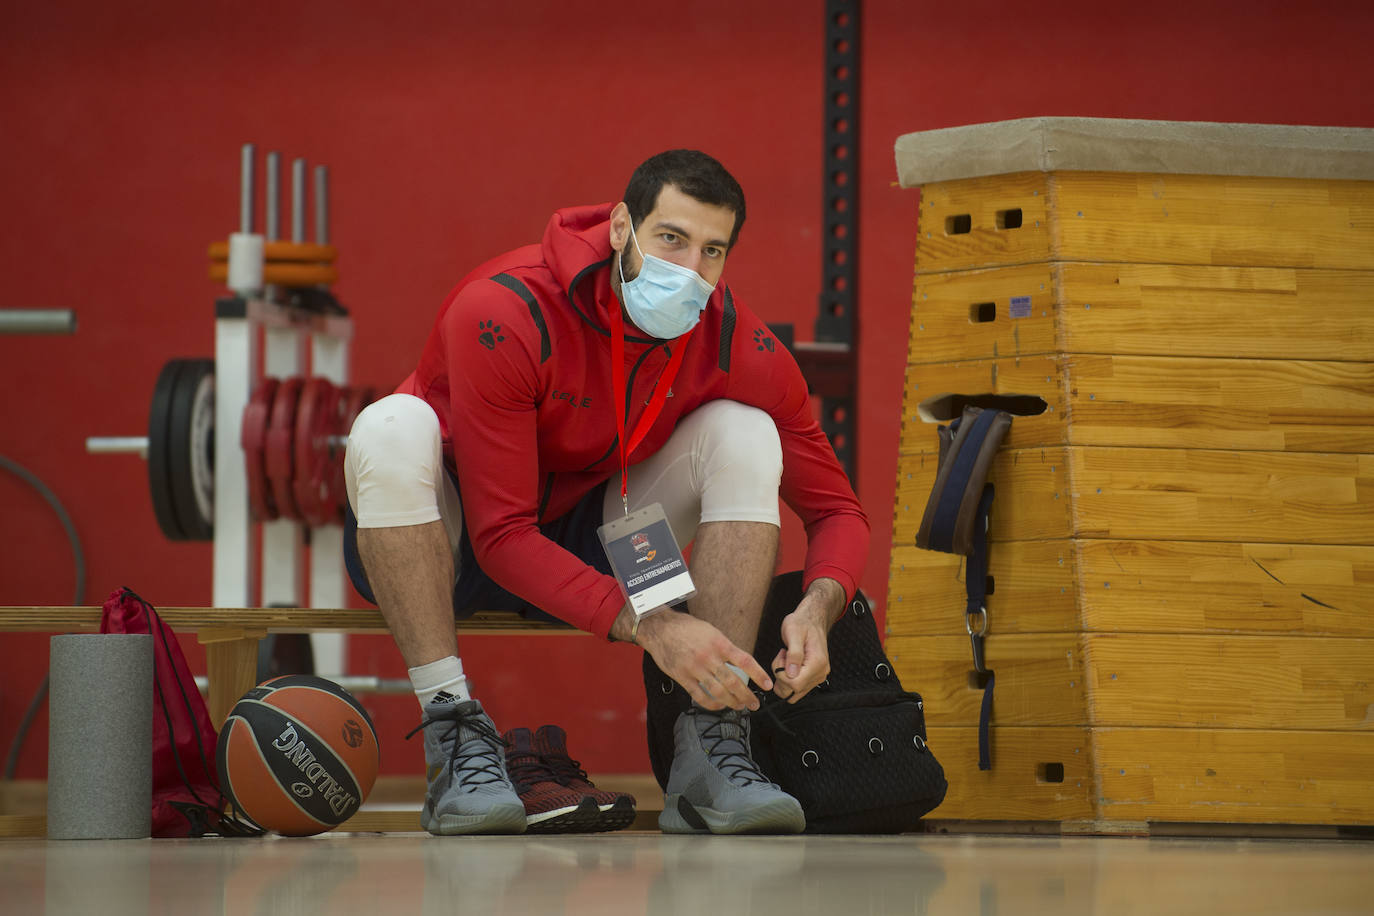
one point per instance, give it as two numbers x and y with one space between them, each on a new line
620 226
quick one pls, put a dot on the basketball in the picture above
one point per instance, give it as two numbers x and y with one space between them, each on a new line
297 755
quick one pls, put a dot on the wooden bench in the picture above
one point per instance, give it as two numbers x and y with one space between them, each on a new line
231 635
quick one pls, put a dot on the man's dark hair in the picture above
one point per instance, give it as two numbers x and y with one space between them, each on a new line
693 173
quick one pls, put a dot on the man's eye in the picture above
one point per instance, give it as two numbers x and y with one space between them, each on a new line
713 252
669 238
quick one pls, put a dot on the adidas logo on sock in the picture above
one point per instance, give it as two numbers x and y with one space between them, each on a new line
444 696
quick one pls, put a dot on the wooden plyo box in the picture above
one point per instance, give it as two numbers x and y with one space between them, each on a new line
1181 610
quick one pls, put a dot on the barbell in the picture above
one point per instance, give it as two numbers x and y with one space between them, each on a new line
293 435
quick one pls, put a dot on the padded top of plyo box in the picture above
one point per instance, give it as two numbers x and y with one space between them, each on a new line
1117 145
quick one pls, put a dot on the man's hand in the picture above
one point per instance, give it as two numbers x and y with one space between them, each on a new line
694 654
804 660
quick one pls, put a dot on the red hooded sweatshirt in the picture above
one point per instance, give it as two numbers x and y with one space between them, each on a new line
518 369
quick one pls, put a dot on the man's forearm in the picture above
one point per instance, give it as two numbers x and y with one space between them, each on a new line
623 626
826 598
624 629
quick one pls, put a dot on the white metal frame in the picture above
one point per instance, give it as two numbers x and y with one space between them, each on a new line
263 338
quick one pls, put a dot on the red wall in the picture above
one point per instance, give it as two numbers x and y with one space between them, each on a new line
452 130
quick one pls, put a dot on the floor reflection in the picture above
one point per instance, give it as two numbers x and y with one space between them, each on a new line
649 873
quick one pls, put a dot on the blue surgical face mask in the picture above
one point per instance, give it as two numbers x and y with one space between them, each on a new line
666 299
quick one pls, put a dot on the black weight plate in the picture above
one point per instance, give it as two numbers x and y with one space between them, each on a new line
191 443
159 461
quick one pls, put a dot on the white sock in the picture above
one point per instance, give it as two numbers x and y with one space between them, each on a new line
445 675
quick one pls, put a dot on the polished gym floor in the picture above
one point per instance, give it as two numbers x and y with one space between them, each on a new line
641 872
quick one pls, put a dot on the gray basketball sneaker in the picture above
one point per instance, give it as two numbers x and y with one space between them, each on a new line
465 762
714 785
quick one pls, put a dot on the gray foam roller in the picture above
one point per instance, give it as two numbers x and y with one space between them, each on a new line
100 737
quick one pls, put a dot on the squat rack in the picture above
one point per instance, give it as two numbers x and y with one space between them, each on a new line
830 362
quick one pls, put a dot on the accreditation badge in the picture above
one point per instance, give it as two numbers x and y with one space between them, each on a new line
646 559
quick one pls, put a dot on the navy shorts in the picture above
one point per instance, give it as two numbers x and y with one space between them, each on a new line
475 590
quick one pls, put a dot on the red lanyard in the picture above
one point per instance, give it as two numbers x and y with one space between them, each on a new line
656 401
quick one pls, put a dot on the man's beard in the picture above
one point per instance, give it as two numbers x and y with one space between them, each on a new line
624 265
631 272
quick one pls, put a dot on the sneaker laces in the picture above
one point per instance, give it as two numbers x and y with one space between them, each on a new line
729 748
490 749
563 768
768 706
527 770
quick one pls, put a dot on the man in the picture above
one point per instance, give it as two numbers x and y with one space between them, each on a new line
483 481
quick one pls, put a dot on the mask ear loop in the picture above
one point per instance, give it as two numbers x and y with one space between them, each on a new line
620 264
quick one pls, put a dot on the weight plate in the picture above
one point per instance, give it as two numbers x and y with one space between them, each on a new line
281 440
254 440
318 419
338 488
159 461
354 400
191 449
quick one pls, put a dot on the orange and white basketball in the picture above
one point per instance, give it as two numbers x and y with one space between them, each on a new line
298 755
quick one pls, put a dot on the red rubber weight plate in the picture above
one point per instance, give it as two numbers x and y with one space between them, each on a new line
318 419
354 400
281 447
254 440
336 495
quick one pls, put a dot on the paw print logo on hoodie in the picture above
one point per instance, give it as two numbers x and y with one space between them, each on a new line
488 335
763 341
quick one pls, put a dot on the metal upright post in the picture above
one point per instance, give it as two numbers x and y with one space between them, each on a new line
281 539
328 358
838 322
272 228
246 188
322 204
298 200
236 358
830 362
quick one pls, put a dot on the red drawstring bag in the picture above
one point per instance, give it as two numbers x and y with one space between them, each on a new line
186 796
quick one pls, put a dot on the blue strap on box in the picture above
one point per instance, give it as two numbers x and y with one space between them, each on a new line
956 521
975 586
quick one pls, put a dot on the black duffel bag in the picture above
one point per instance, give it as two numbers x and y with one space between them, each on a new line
852 751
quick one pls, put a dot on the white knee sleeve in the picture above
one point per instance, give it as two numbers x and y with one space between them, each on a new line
723 463
739 463
394 466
